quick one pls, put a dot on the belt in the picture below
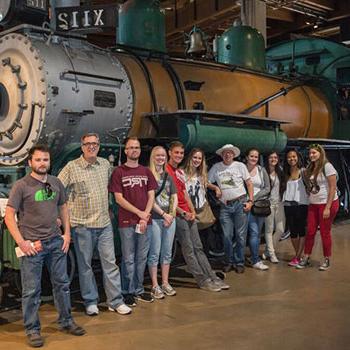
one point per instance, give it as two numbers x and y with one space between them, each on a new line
231 201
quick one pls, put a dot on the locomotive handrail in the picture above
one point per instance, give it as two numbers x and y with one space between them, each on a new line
90 75
282 92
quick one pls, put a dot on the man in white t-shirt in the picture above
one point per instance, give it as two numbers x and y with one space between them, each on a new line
232 177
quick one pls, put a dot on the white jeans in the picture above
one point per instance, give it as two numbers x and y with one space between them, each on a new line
274 223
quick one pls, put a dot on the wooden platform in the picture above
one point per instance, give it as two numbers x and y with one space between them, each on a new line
282 308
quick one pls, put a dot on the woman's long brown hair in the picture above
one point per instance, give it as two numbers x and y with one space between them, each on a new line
315 168
201 171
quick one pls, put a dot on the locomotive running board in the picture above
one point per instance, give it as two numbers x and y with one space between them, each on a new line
166 123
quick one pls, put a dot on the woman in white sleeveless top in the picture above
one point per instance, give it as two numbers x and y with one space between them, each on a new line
295 200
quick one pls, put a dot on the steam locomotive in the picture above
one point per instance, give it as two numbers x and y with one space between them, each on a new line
55 86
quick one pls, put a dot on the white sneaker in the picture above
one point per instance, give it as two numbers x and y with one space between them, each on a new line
273 259
260 266
122 309
264 256
92 310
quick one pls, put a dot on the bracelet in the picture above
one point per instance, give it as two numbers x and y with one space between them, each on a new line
162 214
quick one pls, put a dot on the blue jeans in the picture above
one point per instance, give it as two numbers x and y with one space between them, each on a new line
31 271
85 241
234 225
255 224
135 247
161 243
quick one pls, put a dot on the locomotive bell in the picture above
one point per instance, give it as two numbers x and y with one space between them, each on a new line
196 42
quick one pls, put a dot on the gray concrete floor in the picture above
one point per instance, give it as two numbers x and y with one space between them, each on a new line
282 308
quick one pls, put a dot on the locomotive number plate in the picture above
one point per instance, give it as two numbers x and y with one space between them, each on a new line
37 4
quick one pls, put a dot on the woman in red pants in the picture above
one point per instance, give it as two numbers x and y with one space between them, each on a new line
321 182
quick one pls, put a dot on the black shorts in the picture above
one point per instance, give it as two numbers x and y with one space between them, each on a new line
296 217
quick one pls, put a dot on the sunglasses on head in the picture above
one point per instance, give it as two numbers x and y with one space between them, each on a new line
48 189
315 146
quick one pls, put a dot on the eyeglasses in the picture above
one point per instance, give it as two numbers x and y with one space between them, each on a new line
48 189
92 144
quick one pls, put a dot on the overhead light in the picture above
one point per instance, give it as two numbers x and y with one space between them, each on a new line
315 26
308 23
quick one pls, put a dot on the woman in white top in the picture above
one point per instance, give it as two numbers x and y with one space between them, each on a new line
196 176
321 180
275 222
295 200
261 184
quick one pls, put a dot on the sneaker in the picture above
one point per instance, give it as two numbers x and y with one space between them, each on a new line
260 266
303 263
215 253
145 297
265 256
325 265
121 309
285 235
157 293
221 284
73 329
210 286
92 310
35 340
220 274
294 262
168 290
129 300
227 268
239 269
273 259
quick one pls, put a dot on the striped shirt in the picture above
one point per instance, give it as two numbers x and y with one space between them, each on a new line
87 189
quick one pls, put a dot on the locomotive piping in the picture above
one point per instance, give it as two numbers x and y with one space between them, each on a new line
310 111
180 97
145 72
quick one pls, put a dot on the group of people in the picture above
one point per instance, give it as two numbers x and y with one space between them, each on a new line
155 203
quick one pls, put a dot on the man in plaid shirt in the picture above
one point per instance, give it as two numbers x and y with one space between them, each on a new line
86 181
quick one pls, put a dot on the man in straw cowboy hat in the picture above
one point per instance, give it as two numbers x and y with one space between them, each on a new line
233 180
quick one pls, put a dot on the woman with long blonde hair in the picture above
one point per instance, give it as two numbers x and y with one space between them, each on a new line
196 174
163 224
321 184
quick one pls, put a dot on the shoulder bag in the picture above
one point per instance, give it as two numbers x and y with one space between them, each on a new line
261 207
205 217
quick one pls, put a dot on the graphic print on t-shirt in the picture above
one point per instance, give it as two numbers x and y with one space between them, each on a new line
42 195
132 181
196 192
227 180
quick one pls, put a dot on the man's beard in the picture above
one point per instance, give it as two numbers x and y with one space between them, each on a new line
40 171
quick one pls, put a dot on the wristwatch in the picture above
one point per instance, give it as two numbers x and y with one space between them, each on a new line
249 200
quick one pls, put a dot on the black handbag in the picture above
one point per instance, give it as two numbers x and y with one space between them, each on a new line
261 207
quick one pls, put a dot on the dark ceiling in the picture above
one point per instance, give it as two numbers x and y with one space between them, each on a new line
286 19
